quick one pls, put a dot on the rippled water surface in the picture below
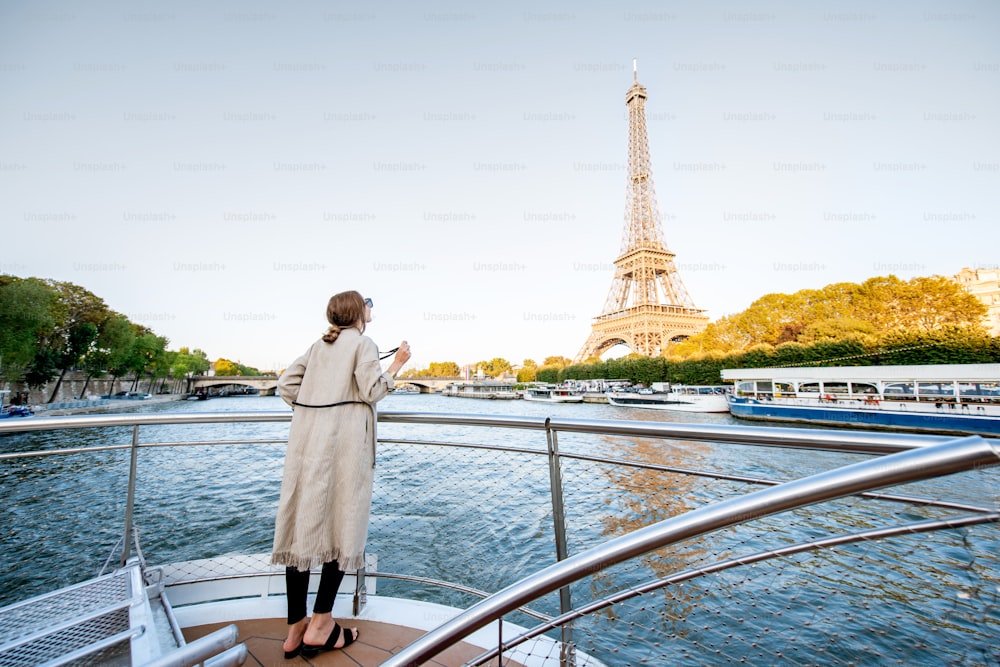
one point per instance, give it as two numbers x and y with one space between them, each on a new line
483 518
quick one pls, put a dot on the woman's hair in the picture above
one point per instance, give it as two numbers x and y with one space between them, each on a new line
344 310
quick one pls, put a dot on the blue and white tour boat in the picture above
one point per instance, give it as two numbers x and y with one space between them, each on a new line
952 398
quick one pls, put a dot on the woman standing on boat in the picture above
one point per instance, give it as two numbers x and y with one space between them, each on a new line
326 489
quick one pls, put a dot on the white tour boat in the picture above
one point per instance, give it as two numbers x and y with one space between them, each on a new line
684 398
553 395
485 389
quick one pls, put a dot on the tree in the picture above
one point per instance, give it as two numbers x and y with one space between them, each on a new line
443 369
226 367
79 342
116 342
841 311
77 312
25 317
495 367
527 373
185 361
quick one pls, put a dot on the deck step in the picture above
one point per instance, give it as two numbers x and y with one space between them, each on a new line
86 622
106 621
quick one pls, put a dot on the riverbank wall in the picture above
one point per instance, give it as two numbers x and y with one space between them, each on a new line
75 388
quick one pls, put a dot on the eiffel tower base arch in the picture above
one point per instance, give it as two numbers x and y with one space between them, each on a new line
645 330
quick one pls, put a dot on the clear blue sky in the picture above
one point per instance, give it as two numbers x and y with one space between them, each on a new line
218 170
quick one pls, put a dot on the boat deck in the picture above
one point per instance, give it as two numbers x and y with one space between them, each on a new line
378 641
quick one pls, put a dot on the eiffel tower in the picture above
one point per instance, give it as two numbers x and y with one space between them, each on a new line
648 305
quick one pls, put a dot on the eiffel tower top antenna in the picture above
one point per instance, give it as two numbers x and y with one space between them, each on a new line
635 71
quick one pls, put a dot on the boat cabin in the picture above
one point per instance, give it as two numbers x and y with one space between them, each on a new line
960 383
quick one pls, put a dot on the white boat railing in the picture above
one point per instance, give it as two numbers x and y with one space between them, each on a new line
707 530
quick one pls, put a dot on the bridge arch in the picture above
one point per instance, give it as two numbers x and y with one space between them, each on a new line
265 384
428 385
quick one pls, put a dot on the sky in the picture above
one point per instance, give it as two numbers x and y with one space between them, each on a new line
216 171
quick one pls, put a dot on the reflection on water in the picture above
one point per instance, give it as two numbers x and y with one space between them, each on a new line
640 497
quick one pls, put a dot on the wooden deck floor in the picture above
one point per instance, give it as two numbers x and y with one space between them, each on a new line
378 641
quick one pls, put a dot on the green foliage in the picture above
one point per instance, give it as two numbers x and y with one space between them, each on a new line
495 367
25 318
225 367
547 374
184 362
43 368
444 369
48 327
435 369
951 345
528 374
866 311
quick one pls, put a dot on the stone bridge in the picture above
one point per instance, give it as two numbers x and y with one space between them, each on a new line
428 385
265 384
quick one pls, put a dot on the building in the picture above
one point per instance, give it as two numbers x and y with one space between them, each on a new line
984 283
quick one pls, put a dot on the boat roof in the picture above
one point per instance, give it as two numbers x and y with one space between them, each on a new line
968 372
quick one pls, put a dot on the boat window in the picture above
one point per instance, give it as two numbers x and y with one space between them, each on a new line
899 389
863 388
979 389
809 388
835 387
764 386
935 389
783 388
744 388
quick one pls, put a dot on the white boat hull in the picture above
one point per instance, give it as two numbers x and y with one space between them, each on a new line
577 398
671 401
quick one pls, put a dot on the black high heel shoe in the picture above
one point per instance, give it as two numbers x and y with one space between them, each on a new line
311 650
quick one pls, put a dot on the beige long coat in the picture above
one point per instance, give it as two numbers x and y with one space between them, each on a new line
326 490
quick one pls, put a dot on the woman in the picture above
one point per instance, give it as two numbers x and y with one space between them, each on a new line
326 490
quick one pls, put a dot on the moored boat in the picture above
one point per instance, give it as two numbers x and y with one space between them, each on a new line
684 398
953 398
550 394
486 389
12 410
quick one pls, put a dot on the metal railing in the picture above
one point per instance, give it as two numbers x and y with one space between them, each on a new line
579 549
904 467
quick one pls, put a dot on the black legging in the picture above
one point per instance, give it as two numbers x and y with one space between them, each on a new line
297 588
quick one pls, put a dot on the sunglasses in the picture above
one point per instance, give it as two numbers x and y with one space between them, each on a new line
368 302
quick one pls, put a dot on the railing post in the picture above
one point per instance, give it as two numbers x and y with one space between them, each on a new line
130 500
567 654
360 590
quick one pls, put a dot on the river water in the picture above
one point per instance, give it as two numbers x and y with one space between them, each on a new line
424 503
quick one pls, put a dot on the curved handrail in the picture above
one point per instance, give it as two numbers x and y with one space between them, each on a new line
940 459
914 528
